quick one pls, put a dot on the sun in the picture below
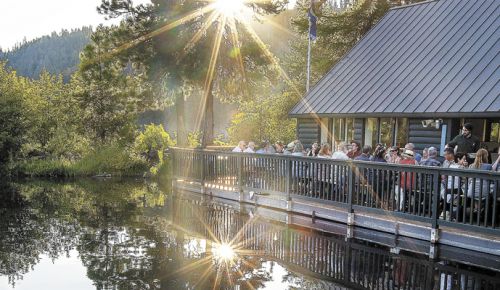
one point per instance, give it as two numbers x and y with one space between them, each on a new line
224 252
229 8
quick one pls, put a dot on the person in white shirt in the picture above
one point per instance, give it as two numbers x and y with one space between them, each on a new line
250 148
266 148
341 153
241 147
298 149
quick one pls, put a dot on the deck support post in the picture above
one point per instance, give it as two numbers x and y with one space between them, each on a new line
350 232
289 205
350 218
433 251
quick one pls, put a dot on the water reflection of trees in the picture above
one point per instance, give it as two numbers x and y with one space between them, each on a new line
130 236
27 232
41 218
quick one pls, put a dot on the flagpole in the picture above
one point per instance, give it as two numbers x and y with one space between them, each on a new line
308 59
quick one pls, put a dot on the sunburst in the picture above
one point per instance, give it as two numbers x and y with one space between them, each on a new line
226 14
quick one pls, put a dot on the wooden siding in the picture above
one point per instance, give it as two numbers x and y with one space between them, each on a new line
358 130
308 131
423 137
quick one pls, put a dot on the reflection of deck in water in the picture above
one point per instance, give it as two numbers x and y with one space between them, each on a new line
334 258
453 207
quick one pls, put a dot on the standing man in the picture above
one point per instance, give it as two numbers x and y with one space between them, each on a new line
466 142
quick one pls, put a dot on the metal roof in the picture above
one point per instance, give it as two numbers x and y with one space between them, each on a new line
432 58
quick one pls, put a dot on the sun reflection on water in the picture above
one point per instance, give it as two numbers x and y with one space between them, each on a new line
224 252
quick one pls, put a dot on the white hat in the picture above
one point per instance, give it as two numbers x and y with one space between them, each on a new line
409 153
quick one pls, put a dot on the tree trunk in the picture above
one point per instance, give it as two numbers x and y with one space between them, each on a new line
208 126
181 125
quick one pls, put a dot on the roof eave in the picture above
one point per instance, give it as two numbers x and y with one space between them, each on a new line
415 115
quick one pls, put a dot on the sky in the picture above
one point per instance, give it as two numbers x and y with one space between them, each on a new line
35 18
30 19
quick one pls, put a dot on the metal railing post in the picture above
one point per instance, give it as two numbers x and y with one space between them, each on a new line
202 173
350 194
240 173
435 206
288 185
350 191
173 168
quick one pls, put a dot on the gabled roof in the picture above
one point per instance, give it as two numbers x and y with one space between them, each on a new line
431 58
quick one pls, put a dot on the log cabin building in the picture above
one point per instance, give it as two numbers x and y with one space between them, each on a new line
422 72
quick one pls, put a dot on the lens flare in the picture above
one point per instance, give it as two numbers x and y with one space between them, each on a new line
223 252
229 8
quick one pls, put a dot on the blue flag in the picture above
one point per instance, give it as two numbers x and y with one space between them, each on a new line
313 19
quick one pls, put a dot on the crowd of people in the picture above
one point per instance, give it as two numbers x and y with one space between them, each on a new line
462 152
394 155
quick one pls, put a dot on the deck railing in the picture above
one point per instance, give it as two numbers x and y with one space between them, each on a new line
460 198
332 258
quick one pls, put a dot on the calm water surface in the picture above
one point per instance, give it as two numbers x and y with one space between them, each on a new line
117 234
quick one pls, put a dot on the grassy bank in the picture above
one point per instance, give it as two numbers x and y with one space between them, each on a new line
114 161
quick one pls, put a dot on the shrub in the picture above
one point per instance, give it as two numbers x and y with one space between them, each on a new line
151 145
194 139
111 159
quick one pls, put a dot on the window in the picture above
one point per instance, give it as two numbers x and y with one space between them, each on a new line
401 132
349 129
324 130
338 130
371 132
386 131
495 132
343 130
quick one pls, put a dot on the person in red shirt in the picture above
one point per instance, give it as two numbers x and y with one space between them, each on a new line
407 180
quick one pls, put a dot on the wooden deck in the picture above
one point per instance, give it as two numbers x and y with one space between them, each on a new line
358 194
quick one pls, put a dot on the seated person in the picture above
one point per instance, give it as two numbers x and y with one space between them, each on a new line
365 154
241 147
475 190
431 159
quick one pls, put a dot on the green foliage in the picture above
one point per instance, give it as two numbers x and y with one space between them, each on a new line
221 140
108 97
56 53
264 119
194 139
52 119
151 145
113 160
42 168
11 115
176 65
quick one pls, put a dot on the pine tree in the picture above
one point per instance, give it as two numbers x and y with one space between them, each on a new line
177 68
108 97
57 53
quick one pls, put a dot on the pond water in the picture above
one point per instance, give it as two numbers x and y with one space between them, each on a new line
129 234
